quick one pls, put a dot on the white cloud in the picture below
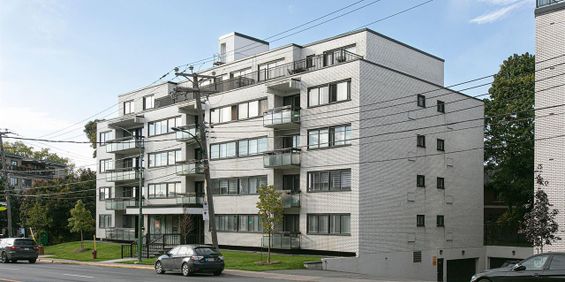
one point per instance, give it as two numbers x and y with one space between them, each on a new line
499 13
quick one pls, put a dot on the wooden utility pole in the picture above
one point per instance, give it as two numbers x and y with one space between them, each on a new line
6 183
204 147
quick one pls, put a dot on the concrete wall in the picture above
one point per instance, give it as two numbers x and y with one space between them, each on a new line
512 252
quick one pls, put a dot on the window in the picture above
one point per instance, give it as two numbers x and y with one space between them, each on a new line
291 141
291 182
163 126
269 70
440 183
329 224
148 102
420 220
234 186
164 190
250 223
420 181
440 221
223 150
310 61
252 147
241 72
105 221
240 148
557 262
421 141
421 101
332 180
104 193
226 223
105 137
238 223
106 165
417 256
164 158
329 137
440 144
240 111
13 181
329 93
440 106
535 263
129 107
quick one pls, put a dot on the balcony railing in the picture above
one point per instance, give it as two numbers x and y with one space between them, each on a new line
286 241
123 145
326 59
126 175
543 3
187 134
189 199
189 169
122 234
282 117
284 158
119 203
291 200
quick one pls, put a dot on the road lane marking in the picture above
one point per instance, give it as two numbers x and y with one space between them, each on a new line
79 276
8 280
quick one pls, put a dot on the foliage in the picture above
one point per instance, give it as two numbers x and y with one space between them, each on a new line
37 218
81 220
271 210
21 149
90 131
539 226
509 133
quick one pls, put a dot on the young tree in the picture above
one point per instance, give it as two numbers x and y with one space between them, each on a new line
539 226
81 221
37 218
90 131
271 210
186 227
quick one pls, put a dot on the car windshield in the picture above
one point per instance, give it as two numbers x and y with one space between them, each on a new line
24 242
204 251
535 263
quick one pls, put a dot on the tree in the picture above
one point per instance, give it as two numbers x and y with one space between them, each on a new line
186 227
37 218
21 149
271 210
509 134
90 131
81 221
539 226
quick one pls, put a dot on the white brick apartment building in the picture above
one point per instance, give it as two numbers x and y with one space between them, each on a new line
549 97
377 160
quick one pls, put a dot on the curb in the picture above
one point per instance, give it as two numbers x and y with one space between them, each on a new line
102 264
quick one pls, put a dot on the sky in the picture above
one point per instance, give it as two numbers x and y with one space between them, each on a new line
64 62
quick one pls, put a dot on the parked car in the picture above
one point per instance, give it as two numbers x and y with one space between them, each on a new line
14 249
539 268
189 259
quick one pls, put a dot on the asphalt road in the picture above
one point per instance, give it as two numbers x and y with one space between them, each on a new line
13 272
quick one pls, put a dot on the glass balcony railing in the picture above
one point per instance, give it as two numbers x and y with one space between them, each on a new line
285 241
189 199
286 116
187 134
543 3
291 200
119 203
122 234
285 158
187 169
123 145
126 175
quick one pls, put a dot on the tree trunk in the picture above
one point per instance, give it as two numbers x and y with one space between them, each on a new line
81 241
269 249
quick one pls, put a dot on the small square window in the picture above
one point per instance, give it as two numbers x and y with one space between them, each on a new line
440 221
421 101
441 106
420 181
440 183
417 256
420 220
421 141
440 144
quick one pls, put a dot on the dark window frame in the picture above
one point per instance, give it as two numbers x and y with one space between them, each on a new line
420 181
421 141
417 257
440 220
330 221
440 106
440 144
420 220
311 189
331 137
421 100
440 183
329 85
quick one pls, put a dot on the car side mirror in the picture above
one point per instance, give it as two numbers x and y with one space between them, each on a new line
168 253
518 267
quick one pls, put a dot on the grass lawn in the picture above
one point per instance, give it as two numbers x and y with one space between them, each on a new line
72 251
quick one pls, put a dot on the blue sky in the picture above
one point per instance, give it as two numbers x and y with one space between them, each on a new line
62 61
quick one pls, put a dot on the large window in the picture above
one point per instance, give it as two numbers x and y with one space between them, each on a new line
241 148
238 223
105 221
105 137
329 93
164 190
291 182
269 70
223 150
239 111
106 165
104 193
164 158
148 102
329 136
249 223
238 186
163 126
329 180
129 107
329 224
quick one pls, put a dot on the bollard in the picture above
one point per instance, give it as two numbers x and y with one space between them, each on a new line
93 254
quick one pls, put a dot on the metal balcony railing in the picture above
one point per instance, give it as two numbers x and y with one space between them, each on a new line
291 200
125 175
543 3
281 117
119 203
284 158
189 168
123 144
187 134
122 234
189 199
285 241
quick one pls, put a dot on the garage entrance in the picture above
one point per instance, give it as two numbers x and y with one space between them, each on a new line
461 270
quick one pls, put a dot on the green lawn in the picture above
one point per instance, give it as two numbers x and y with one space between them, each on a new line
72 251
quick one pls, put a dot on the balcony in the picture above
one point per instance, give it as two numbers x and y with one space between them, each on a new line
121 234
120 176
127 121
190 168
543 3
120 203
187 133
283 241
291 200
282 159
285 117
126 145
189 199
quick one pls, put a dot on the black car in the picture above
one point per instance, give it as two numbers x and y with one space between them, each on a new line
190 259
14 249
539 268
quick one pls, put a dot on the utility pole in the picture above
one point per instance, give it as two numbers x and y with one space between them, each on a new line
194 77
6 181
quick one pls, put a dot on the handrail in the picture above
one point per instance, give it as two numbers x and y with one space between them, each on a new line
543 3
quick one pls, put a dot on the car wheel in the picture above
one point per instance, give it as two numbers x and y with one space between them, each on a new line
32 260
4 258
159 268
217 273
186 269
